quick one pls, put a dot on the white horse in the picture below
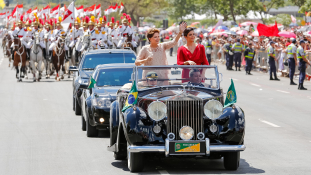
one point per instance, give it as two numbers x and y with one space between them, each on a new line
36 56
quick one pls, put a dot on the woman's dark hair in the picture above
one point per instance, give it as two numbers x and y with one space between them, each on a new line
151 32
187 30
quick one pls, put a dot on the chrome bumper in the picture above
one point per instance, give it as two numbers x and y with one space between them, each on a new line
209 148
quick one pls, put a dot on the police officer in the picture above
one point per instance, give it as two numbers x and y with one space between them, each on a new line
227 48
272 60
292 60
143 40
208 49
301 55
237 48
249 57
152 79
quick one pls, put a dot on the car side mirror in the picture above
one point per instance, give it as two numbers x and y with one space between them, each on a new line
73 69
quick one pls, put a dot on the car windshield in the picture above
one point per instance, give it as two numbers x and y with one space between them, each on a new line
198 76
92 60
114 77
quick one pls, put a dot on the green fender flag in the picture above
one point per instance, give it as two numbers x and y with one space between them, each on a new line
231 95
131 98
92 83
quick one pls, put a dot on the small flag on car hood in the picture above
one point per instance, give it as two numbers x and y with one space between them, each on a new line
231 97
131 98
92 83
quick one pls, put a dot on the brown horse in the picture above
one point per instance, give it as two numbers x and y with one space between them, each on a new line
19 57
58 58
6 47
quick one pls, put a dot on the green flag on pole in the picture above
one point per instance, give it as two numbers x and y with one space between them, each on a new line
92 83
231 95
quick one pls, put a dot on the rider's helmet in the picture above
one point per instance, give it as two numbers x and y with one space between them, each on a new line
59 22
77 21
92 21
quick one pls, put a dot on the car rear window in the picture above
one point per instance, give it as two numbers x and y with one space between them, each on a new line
92 60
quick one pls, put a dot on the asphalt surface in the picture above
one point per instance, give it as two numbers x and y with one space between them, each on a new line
40 133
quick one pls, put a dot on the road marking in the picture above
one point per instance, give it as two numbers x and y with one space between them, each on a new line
260 89
255 85
163 172
283 91
271 124
233 79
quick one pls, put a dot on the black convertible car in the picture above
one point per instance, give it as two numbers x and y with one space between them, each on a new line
87 65
96 101
179 113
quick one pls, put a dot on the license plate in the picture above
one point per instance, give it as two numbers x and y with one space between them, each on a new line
187 147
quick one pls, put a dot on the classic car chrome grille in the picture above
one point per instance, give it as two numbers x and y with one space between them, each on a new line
184 113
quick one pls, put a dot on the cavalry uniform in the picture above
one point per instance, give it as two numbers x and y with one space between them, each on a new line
249 57
74 36
114 34
19 32
124 31
103 38
45 39
237 49
291 50
56 34
94 34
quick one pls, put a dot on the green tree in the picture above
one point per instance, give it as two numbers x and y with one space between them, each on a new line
298 3
306 7
266 6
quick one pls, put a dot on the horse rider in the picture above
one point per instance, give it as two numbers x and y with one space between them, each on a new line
46 36
124 31
28 38
19 31
75 34
113 33
94 34
103 39
58 32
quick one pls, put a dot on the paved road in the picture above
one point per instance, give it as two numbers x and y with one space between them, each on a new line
40 134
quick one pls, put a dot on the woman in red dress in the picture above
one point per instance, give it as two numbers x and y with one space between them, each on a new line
191 53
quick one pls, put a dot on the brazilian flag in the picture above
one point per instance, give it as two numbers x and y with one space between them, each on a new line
231 95
131 98
92 83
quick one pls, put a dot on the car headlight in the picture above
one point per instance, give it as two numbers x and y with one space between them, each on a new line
213 109
101 102
157 110
186 133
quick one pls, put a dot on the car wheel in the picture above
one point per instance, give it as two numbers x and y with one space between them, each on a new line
73 103
135 161
119 156
77 108
83 123
91 131
232 160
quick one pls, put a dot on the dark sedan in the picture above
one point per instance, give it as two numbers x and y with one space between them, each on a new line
96 101
87 65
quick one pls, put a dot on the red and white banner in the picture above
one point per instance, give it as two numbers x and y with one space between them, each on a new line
121 7
54 12
68 15
79 12
17 11
92 10
27 14
35 10
293 19
2 15
98 10
46 11
115 8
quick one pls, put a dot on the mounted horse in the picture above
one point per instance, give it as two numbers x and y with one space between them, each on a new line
19 57
36 56
58 57
7 49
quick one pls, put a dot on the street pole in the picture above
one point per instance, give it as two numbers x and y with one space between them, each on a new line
73 31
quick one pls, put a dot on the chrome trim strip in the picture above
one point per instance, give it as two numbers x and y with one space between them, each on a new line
207 146
167 148
227 148
213 148
137 149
